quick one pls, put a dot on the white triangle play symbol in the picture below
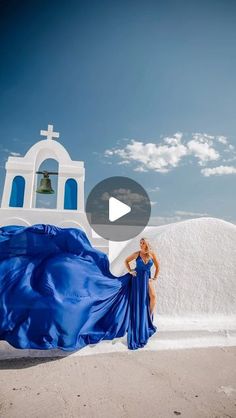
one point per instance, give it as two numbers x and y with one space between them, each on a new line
117 209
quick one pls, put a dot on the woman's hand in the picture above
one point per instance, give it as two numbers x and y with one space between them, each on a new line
133 272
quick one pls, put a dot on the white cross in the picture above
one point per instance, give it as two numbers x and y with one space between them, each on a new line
49 133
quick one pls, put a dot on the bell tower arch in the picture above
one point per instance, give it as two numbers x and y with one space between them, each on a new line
27 166
41 200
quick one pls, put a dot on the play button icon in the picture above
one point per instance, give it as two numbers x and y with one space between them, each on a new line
118 208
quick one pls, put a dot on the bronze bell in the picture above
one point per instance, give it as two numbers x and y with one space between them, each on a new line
45 186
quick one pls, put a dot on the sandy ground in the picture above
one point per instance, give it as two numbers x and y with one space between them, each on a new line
192 383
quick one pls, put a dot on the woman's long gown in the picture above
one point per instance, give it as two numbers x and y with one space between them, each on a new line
57 291
141 325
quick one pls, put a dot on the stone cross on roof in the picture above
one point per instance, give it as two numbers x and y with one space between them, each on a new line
49 133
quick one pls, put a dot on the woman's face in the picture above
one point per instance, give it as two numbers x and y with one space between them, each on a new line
143 245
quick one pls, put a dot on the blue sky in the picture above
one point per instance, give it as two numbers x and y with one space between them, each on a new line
144 89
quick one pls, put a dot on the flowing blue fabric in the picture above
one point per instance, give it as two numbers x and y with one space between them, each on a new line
57 291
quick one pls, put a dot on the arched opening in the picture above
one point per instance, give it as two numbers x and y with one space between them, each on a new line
47 201
70 196
17 192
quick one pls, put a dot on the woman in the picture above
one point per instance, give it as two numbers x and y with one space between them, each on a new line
57 291
143 296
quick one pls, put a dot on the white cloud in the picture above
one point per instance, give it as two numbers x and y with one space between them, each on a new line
123 162
186 213
168 152
220 170
15 154
108 152
227 160
201 148
175 140
229 149
203 137
8 151
222 139
150 156
141 169
153 189
162 157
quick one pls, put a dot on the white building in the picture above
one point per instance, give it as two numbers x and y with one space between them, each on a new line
18 205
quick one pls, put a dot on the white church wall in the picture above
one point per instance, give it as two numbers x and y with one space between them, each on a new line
12 216
197 267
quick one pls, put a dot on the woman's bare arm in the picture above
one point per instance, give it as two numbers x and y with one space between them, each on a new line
156 264
130 258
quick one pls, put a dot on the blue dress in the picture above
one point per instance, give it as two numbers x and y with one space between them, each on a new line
141 327
57 291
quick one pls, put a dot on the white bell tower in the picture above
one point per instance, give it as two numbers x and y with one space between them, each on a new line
19 193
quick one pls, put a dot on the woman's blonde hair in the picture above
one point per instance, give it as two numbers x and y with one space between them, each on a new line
148 245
